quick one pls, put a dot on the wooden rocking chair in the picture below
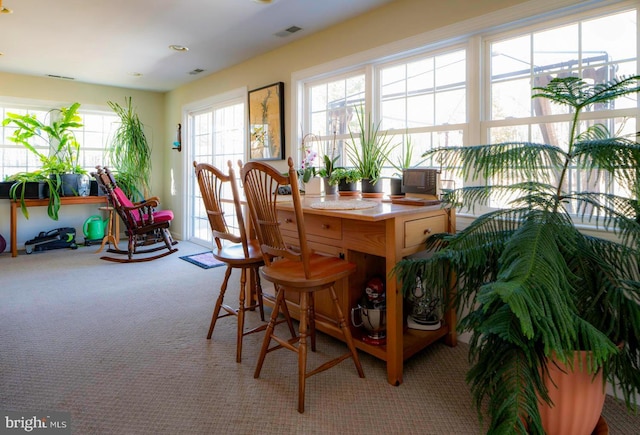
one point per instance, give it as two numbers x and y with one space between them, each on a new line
146 229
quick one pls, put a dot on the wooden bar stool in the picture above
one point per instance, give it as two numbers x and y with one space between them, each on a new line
113 229
237 251
298 270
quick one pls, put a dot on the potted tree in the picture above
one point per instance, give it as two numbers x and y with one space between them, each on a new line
130 153
532 288
60 169
368 150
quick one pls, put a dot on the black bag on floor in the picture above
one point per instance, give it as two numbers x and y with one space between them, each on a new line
55 239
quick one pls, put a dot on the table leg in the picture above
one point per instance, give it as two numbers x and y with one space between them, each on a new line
14 229
109 238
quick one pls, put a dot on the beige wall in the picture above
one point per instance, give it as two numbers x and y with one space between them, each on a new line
150 107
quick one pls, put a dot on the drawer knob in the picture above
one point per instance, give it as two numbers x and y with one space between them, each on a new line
288 221
325 226
427 231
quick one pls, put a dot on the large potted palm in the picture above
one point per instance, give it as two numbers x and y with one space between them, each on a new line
532 288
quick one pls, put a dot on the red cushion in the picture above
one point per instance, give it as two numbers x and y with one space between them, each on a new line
122 198
162 216
158 216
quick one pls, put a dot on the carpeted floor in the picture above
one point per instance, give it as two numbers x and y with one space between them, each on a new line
122 347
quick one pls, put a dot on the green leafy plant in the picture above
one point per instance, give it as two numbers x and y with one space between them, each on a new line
405 160
530 285
329 158
129 152
19 188
368 149
62 156
348 175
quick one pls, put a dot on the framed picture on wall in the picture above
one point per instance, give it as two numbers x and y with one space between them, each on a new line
266 122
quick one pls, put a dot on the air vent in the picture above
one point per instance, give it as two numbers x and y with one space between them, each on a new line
196 71
53 76
288 31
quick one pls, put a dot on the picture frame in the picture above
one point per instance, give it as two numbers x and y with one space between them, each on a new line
266 122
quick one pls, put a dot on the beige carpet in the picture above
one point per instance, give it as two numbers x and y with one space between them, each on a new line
122 347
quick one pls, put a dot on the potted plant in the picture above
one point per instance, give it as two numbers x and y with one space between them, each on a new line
402 162
532 288
346 179
60 168
130 153
307 172
368 151
329 160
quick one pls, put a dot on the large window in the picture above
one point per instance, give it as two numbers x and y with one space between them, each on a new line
93 137
581 48
421 100
216 135
476 86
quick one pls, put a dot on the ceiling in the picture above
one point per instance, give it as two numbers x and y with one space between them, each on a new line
126 43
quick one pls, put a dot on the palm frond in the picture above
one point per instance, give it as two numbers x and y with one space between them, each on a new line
500 161
576 93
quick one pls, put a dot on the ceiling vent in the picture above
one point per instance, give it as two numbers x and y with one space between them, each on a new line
196 71
288 31
54 76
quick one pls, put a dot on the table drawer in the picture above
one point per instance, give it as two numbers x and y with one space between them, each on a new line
315 225
416 231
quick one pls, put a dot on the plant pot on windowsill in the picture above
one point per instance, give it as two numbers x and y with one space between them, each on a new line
371 189
32 190
313 186
329 189
395 187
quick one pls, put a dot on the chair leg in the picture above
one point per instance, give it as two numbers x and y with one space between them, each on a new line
312 321
219 301
287 316
269 331
241 310
302 349
258 290
347 333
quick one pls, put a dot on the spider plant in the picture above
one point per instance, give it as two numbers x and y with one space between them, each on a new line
368 149
129 152
530 284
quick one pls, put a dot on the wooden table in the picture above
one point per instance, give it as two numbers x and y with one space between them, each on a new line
64 200
375 239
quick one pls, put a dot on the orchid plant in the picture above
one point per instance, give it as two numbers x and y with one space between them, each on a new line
307 170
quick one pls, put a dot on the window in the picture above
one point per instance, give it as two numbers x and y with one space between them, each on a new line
472 83
216 134
15 158
579 48
331 104
421 99
424 100
93 137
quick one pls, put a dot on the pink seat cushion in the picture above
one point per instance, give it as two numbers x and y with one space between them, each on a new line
158 216
162 216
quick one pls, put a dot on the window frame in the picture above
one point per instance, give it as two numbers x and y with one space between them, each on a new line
472 35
